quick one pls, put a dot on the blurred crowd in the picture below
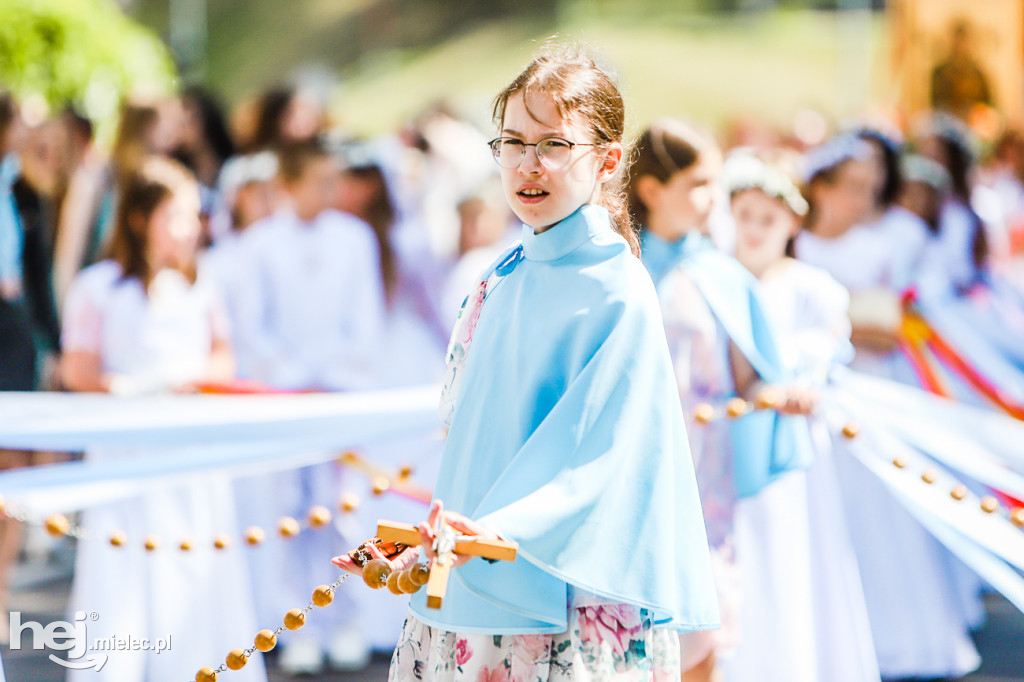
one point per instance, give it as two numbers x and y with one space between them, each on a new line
272 251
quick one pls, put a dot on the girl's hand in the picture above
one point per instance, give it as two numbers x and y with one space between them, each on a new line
461 524
799 400
399 563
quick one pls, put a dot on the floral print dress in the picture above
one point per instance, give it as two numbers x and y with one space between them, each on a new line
607 642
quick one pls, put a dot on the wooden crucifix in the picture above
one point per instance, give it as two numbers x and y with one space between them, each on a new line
447 544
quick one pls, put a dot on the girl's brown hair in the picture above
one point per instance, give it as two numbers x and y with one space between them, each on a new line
380 215
584 92
666 148
155 180
130 144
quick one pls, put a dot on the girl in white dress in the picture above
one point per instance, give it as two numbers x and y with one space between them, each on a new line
671 188
809 309
918 625
144 322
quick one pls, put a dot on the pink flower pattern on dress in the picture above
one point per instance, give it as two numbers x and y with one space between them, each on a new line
463 652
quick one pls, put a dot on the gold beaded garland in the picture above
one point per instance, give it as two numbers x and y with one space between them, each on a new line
152 543
206 675
405 583
222 541
929 476
958 493
381 485
294 619
236 659
255 535
349 503
393 583
118 538
704 413
185 545
323 595
737 407
851 430
265 640
319 516
288 527
989 504
57 525
405 472
1017 517
899 462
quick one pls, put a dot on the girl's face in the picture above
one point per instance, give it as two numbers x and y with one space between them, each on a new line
684 202
174 228
763 227
314 191
539 196
850 197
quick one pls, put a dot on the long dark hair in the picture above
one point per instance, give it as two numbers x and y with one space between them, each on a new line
959 163
582 90
214 124
666 148
152 182
380 215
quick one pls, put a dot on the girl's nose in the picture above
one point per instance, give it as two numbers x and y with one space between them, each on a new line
530 163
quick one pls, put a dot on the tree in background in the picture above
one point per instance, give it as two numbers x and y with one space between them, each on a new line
81 52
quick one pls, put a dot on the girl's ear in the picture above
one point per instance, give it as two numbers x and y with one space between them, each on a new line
613 154
648 190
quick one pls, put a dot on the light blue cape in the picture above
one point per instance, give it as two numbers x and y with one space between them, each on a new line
568 438
766 445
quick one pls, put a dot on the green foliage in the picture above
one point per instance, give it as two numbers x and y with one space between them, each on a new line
85 52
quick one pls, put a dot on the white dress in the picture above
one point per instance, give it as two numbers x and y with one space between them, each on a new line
918 621
808 309
767 618
200 599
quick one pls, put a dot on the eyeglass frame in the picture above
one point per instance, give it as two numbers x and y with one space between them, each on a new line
540 158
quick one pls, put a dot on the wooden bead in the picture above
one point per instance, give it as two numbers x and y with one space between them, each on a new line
393 583
405 472
929 476
406 584
185 545
704 413
57 525
899 462
381 485
152 542
294 619
376 573
319 516
769 399
737 407
265 640
287 527
1017 517
118 538
989 504
958 493
222 541
851 430
206 675
254 536
349 503
420 574
323 595
236 659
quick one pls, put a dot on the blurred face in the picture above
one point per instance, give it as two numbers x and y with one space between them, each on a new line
355 193
540 196
314 191
174 229
254 201
41 160
164 135
850 197
302 118
763 226
684 202
922 200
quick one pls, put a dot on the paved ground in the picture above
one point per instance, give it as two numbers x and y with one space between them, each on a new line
42 595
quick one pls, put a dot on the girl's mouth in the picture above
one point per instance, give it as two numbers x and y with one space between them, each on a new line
531 195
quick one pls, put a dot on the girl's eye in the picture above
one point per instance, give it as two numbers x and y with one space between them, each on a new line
553 143
510 143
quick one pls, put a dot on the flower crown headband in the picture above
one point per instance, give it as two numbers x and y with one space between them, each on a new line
745 171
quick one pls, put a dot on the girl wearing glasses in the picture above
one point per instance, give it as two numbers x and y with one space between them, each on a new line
566 434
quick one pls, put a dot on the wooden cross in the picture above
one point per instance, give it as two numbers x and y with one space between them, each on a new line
447 544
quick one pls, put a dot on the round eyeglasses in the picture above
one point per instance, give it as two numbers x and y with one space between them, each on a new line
552 152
